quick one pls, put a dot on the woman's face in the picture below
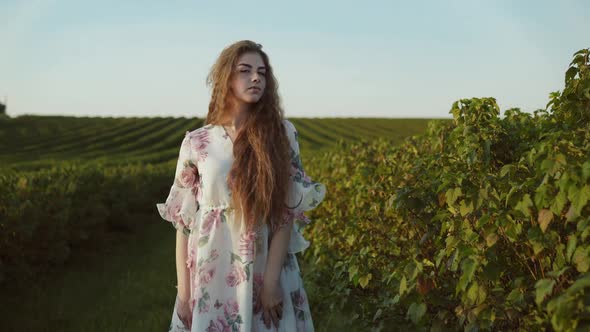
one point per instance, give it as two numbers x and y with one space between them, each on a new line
249 78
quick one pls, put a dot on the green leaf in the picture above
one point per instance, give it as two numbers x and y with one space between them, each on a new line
416 311
472 293
547 166
352 271
570 73
560 159
491 239
464 209
427 262
580 199
481 297
511 192
556 274
515 295
468 267
524 205
558 203
452 195
586 170
581 283
545 217
505 169
543 288
351 239
581 259
364 280
535 236
452 261
542 198
403 286
571 247
483 220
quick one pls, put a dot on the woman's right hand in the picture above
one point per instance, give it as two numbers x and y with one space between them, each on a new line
184 313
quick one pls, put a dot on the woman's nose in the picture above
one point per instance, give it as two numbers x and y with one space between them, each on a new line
257 76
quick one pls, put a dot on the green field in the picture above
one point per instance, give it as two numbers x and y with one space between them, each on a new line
122 279
35 142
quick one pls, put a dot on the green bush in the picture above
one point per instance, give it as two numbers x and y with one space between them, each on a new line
478 224
46 214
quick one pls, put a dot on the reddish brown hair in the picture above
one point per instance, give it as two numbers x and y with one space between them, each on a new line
259 176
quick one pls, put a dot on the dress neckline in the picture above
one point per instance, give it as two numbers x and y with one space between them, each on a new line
226 134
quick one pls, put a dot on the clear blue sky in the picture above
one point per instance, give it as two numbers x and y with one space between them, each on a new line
332 58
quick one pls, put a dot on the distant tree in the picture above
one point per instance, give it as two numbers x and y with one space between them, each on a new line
2 108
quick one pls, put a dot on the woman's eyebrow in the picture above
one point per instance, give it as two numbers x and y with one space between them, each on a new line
247 65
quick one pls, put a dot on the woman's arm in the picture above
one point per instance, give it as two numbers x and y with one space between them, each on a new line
277 252
182 272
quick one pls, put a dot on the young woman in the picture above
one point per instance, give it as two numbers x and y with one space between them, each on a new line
237 203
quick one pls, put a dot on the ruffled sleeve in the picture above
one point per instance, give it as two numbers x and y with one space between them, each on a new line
304 195
182 203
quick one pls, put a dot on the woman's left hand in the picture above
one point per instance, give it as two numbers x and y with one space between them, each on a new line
271 301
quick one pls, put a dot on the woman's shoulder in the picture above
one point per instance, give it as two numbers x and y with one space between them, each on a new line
201 133
288 124
201 129
290 129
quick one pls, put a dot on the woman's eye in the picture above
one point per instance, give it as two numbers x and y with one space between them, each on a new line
244 71
263 74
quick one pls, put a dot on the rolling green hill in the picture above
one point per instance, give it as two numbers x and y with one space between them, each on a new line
36 142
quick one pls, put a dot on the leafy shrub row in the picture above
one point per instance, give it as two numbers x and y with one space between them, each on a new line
478 224
45 215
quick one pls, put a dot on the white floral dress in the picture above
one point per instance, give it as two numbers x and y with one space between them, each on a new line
225 259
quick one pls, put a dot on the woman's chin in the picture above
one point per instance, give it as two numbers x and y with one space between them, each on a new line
251 100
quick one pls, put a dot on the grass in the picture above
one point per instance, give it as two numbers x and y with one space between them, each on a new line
126 284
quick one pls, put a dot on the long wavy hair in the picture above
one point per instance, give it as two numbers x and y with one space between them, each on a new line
259 176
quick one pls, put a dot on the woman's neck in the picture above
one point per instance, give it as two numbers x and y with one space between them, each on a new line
236 115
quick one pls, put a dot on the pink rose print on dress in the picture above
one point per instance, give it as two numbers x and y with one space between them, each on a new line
205 275
189 177
219 325
200 276
246 247
211 220
200 140
306 177
214 254
296 217
174 213
299 173
298 300
235 276
197 192
231 309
